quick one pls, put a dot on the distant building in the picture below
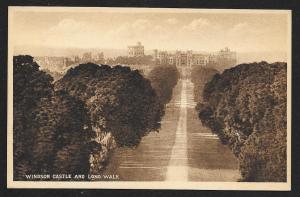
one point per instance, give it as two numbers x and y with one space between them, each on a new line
99 58
54 64
155 55
181 58
189 58
212 58
163 57
200 59
171 59
87 57
226 55
136 50
75 58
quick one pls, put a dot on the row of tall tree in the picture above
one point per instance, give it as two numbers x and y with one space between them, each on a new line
200 76
246 107
72 126
139 60
163 79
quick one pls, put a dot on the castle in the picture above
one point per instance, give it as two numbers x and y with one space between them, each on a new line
136 50
189 58
184 58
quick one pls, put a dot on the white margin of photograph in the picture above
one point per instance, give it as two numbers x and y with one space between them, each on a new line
178 185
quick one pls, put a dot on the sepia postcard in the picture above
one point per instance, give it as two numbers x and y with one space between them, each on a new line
149 98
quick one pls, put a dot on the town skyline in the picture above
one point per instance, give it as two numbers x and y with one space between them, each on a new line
269 56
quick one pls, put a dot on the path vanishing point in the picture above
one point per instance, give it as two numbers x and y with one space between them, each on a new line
182 150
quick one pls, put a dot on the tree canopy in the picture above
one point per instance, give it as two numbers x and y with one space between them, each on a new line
163 79
246 107
119 100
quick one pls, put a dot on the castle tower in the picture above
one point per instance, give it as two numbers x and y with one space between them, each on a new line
136 50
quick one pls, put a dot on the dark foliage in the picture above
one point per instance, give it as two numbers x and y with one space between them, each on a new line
62 136
221 64
30 86
119 100
163 79
56 75
49 127
200 76
246 107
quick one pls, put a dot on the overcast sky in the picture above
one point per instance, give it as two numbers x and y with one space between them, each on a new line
198 30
